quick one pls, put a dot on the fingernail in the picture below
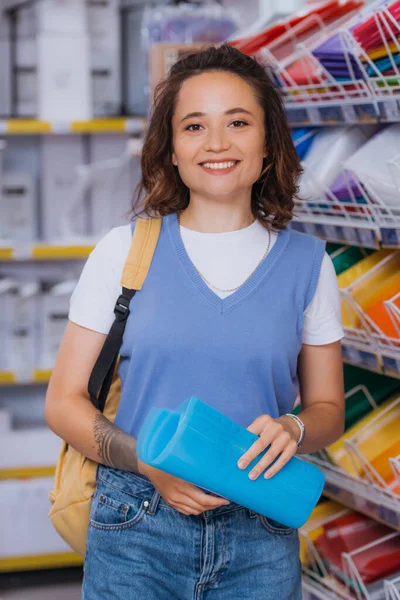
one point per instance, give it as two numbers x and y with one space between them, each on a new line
253 474
241 464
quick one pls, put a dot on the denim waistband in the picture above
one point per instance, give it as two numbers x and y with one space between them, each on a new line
137 484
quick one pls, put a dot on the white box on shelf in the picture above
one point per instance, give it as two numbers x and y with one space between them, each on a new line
105 56
5 68
112 183
25 26
52 16
23 326
26 101
106 80
25 528
54 319
7 290
61 155
3 146
18 207
5 420
64 83
61 16
30 447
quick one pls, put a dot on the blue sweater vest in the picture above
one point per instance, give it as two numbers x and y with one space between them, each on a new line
238 354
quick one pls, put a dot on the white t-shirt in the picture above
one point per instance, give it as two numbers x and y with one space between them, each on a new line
224 259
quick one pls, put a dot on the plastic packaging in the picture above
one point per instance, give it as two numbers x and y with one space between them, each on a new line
201 445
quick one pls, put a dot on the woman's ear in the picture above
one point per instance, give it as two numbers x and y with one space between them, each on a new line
174 161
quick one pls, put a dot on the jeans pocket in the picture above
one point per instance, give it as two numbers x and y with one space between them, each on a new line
275 527
114 510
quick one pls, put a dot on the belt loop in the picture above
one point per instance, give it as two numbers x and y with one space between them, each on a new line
252 513
154 503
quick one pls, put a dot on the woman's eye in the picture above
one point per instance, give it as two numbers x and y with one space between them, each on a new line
242 122
193 125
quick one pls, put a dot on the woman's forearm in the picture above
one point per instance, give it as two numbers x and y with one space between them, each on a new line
324 424
87 430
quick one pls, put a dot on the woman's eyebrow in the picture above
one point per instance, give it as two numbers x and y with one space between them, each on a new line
231 111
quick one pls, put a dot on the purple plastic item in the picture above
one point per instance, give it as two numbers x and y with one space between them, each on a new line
341 190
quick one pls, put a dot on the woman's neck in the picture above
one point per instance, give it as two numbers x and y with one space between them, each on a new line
218 221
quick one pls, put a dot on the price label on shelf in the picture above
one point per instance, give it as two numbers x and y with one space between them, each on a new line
367 237
350 234
331 233
392 110
349 114
314 115
390 237
391 365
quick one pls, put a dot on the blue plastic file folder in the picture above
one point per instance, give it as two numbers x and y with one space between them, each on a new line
201 445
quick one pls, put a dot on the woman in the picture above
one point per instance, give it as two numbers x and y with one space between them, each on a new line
237 310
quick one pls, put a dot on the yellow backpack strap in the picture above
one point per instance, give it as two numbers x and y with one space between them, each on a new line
144 242
141 253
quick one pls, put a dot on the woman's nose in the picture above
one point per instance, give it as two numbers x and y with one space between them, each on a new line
217 140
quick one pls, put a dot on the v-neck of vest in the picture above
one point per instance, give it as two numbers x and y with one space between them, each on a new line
259 275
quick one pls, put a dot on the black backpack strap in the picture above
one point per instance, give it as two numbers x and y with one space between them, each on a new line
103 370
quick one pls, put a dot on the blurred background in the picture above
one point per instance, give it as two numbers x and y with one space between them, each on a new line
76 82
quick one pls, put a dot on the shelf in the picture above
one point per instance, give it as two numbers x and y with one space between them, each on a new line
132 125
319 111
359 495
380 361
355 233
40 561
315 590
43 251
27 472
37 376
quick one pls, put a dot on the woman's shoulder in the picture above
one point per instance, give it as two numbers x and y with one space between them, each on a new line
115 242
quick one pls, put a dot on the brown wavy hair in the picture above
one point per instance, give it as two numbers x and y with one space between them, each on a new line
273 194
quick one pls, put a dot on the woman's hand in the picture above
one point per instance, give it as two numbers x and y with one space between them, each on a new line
180 494
282 438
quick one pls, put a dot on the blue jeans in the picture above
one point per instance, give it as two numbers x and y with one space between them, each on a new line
140 548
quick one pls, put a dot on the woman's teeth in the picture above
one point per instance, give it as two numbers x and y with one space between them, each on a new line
225 165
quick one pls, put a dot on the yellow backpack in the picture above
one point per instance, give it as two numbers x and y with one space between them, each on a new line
75 476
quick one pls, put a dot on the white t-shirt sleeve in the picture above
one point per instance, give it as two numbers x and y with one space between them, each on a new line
323 316
93 300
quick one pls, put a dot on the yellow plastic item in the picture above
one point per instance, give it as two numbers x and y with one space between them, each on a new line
376 447
363 266
380 285
381 51
381 462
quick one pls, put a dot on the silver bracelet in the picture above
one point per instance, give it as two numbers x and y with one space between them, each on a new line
301 425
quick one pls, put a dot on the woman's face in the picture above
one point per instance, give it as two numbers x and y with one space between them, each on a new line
218 121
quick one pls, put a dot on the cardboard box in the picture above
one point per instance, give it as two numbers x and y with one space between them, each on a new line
105 56
52 17
7 291
25 528
112 185
64 215
19 207
23 322
64 86
54 319
5 68
5 420
163 55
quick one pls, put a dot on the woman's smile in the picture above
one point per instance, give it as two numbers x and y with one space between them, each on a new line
219 168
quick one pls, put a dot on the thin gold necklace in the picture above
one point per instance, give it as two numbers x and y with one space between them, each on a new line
247 278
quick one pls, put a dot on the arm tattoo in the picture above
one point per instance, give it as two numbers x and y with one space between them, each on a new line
115 448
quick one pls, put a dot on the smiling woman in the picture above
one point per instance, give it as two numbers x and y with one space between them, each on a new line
237 310
240 119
